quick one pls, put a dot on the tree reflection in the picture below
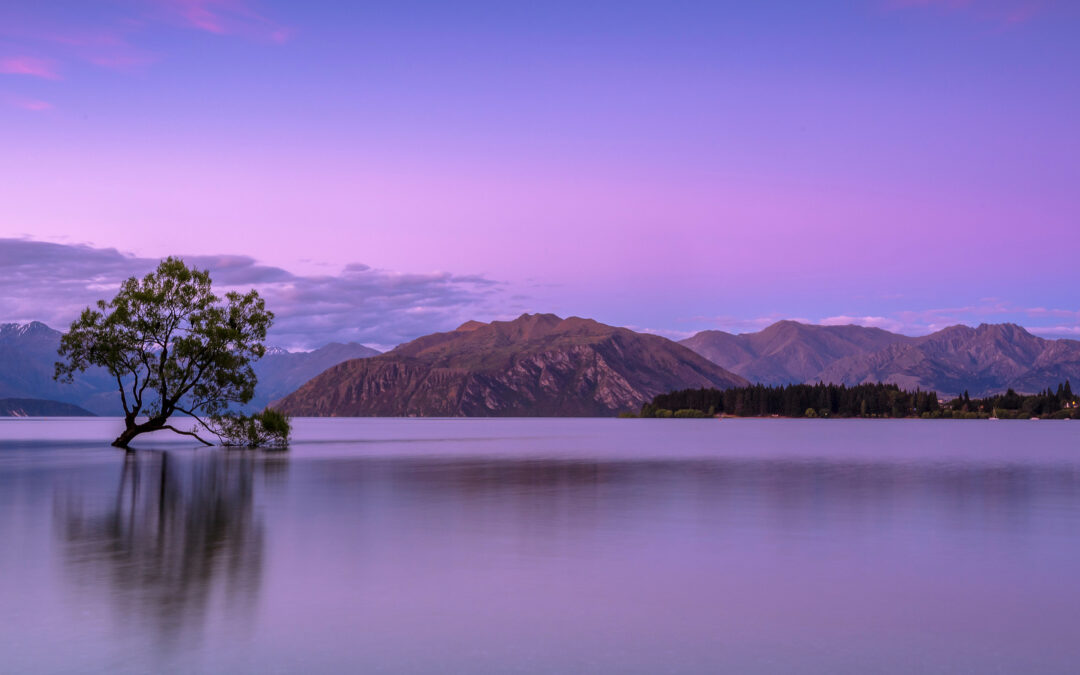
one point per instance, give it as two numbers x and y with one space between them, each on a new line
180 532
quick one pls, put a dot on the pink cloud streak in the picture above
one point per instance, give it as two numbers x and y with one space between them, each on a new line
199 15
34 105
29 65
113 46
106 48
226 17
31 104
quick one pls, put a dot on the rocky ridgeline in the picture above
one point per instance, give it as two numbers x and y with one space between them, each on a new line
536 365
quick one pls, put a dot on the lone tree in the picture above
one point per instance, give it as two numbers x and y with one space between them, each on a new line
173 347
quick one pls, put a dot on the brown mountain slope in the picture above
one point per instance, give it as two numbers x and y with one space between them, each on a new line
984 360
536 365
788 351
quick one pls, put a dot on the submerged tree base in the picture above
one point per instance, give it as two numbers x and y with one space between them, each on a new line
124 439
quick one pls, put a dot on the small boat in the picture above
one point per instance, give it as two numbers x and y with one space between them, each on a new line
1034 419
994 418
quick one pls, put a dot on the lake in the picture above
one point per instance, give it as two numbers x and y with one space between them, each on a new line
545 546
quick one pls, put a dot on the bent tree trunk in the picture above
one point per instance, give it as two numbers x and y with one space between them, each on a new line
132 429
130 432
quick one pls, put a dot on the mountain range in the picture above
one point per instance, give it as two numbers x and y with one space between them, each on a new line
28 352
281 372
787 351
535 365
541 364
988 359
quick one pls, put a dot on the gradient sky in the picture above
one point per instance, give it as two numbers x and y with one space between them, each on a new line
670 166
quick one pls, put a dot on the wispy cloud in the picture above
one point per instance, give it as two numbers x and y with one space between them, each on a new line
742 324
670 334
52 282
225 17
986 310
1059 331
29 65
923 321
883 322
113 39
24 103
107 46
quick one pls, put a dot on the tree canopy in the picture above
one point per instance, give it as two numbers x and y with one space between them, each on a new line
863 400
172 345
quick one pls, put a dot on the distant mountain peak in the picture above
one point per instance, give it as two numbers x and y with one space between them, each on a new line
29 329
989 358
28 352
1010 330
788 351
36 407
536 364
788 322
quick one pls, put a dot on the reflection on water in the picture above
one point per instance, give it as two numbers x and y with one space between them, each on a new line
180 529
548 547
952 494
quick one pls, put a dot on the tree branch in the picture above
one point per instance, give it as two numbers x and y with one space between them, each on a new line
188 412
187 433
123 397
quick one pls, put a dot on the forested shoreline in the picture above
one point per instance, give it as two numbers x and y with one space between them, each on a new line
860 401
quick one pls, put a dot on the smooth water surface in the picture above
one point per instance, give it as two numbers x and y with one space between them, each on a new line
545 546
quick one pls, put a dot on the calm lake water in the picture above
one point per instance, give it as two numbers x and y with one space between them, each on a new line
546 546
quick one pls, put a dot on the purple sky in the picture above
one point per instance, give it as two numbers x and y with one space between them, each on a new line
669 166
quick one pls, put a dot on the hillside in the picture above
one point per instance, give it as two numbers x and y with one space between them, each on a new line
789 352
536 365
984 360
36 407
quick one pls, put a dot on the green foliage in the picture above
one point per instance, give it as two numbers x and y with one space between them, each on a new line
1050 403
864 400
172 345
799 400
690 412
266 429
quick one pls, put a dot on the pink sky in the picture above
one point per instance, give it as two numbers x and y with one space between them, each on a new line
671 170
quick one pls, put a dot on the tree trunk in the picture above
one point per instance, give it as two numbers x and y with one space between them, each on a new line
153 424
132 430
123 439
